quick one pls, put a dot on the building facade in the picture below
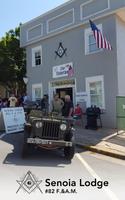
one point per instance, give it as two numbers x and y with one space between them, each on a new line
62 56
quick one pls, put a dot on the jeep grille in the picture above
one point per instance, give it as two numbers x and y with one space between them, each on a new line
50 129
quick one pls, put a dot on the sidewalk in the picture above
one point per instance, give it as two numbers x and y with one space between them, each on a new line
104 141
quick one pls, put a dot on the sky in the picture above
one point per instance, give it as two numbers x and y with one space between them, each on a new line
14 12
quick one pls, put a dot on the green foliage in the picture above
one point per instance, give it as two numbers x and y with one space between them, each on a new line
12 61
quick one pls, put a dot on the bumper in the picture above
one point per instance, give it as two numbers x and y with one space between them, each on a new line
49 142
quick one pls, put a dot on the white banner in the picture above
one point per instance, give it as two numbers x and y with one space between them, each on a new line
63 70
14 119
81 96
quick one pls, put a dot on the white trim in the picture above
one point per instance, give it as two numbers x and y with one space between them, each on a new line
49 12
88 32
67 29
36 49
92 15
33 27
34 86
91 79
56 17
81 6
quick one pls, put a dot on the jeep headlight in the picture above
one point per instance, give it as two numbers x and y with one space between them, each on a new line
63 127
39 124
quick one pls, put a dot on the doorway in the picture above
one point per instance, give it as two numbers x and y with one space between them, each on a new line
62 87
65 91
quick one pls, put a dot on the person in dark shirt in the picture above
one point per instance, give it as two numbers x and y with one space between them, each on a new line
44 104
67 110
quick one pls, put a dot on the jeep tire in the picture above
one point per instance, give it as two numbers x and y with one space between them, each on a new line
26 147
69 152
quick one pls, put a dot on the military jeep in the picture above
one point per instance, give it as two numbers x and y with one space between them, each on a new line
49 132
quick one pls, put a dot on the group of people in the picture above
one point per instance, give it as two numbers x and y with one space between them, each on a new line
13 101
62 106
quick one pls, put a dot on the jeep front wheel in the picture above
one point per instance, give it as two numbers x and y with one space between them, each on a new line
25 151
26 147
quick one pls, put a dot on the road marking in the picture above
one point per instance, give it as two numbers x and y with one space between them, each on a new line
108 159
2 135
110 194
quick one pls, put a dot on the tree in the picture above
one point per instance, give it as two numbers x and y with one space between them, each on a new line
12 62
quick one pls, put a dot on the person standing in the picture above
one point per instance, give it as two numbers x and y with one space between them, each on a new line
45 104
77 112
12 101
57 104
26 99
67 110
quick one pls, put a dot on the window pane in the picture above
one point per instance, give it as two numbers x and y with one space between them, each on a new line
37 58
91 39
92 44
96 100
93 48
38 61
96 88
96 93
37 93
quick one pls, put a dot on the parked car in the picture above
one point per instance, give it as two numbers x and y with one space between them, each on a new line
49 132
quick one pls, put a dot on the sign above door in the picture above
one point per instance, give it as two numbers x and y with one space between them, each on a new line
63 70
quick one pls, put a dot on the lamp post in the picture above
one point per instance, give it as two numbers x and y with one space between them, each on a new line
25 79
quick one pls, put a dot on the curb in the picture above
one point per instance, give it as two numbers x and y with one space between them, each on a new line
100 151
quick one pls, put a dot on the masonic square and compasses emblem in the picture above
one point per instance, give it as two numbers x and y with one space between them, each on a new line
61 51
29 183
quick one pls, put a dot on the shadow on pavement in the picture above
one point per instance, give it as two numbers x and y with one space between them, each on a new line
38 157
90 137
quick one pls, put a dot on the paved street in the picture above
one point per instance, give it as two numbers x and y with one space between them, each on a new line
84 168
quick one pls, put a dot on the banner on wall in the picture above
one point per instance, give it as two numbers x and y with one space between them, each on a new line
63 70
81 96
82 99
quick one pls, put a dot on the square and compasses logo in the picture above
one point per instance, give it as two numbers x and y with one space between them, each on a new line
29 183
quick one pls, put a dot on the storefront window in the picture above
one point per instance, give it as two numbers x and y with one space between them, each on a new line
95 89
96 93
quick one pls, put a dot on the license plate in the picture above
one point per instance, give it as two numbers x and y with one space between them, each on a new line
38 141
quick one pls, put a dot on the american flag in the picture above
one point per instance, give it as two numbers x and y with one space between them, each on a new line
70 71
101 41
